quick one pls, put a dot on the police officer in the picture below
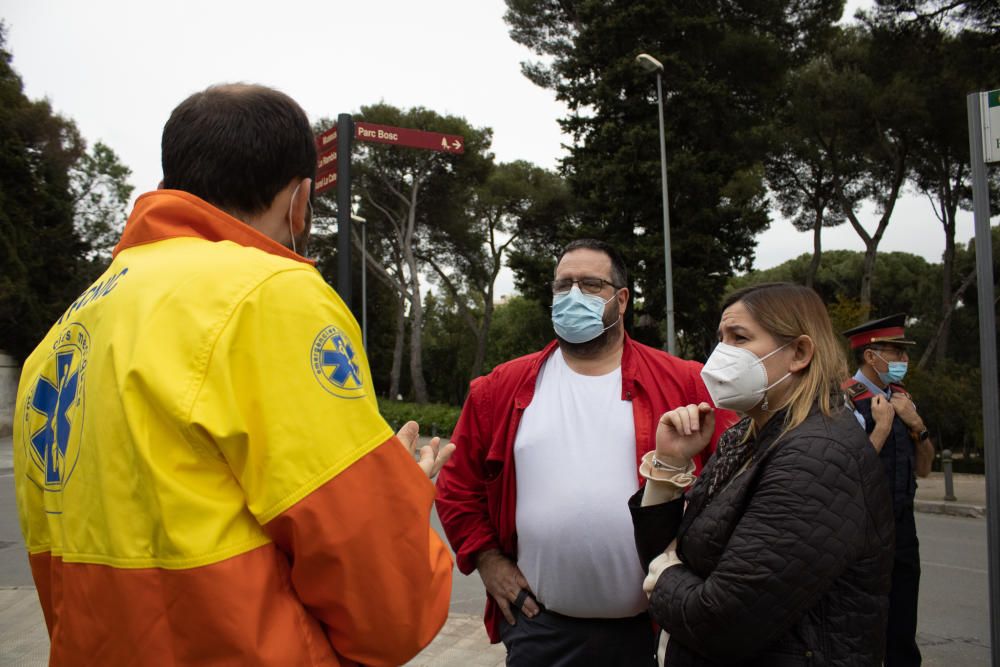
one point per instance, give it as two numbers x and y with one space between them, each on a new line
900 436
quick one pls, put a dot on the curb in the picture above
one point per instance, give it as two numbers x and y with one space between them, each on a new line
950 508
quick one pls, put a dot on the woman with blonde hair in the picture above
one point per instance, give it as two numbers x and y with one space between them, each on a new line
781 552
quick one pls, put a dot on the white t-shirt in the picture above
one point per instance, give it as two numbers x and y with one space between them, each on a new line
576 468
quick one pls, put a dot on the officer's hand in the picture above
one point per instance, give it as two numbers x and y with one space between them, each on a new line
504 582
907 411
882 411
432 456
683 432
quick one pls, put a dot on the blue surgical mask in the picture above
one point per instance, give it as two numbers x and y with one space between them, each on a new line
579 317
895 373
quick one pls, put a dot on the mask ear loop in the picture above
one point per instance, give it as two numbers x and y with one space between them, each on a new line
613 296
764 406
291 232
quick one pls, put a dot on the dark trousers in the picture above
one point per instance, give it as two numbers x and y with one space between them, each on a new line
553 640
901 632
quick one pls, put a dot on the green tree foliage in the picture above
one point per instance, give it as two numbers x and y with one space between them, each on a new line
907 283
407 195
724 63
950 402
946 65
800 180
965 346
516 203
40 250
101 194
980 15
62 209
448 349
949 395
853 105
408 198
521 326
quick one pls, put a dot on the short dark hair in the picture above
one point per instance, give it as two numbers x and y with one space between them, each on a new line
237 146
859 354
619 274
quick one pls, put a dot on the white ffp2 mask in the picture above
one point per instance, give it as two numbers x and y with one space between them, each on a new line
736 378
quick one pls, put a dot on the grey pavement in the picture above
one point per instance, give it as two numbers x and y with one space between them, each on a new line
6 454
953 596
970 495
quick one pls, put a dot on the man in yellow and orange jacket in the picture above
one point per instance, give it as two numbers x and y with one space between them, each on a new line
202 474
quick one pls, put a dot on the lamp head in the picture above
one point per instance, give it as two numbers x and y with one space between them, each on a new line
649 63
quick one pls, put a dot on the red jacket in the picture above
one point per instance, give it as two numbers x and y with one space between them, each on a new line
477 489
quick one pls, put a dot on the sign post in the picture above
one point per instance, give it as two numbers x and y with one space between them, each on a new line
333 169
984 146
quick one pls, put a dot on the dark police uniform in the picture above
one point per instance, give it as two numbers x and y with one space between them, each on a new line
898 456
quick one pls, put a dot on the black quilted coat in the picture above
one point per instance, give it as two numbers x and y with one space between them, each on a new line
788 563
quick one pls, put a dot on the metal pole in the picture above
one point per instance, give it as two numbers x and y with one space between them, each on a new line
988 364
364 286
345 133
949 481
668 268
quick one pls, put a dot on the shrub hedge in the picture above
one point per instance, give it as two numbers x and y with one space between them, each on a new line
431 416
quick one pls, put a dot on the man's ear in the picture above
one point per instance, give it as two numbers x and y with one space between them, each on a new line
300 202
623 296
803 350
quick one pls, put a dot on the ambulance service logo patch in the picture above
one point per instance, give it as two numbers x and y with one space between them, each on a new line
54 410
335 364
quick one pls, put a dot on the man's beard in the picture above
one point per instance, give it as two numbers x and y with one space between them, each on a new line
608 338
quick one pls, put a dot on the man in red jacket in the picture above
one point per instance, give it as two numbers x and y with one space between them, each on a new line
554 543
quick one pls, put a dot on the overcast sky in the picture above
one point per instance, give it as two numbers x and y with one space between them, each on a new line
118 68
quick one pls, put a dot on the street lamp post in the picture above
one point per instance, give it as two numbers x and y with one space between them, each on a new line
364 282
651 64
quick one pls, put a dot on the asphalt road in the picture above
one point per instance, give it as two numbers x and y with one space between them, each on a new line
954 618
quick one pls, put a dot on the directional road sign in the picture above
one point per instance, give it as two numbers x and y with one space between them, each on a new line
326 182
327 140
402 136
326 162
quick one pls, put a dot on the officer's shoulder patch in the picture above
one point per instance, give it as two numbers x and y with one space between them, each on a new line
856 391
335 364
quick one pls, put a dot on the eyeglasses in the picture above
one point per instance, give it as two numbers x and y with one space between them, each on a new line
587 285
894 351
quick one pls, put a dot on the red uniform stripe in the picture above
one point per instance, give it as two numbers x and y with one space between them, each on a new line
866 337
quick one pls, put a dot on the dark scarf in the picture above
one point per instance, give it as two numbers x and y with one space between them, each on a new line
734 449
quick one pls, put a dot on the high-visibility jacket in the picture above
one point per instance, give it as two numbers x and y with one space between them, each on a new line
202 474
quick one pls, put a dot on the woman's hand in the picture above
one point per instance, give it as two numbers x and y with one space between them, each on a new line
683 432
